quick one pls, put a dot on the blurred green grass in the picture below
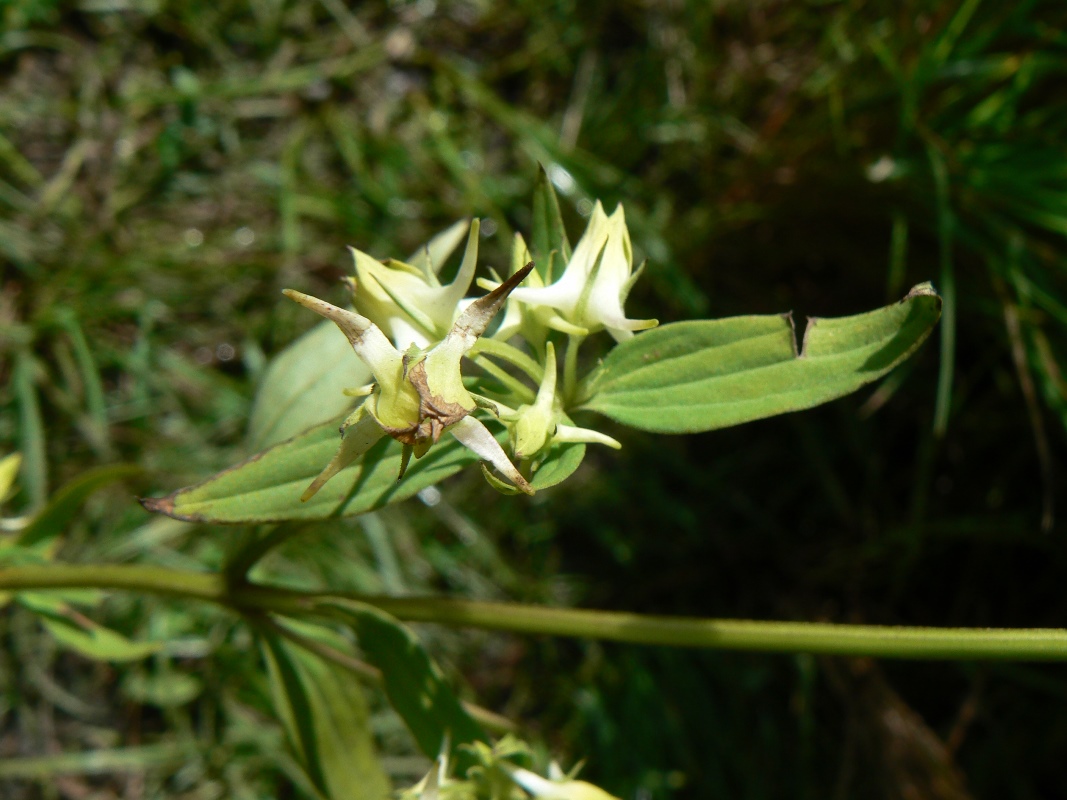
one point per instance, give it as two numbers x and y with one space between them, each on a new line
167 167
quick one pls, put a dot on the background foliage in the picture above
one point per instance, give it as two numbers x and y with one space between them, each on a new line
167 167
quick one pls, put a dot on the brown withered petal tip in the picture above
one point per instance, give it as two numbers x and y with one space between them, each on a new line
158 505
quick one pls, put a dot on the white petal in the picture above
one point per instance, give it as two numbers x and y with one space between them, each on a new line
456 290
532 782
397 291
569 433
473 435
367 339
433 255
588 247
553 790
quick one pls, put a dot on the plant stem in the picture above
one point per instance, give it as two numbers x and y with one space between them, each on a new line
513 355
747 635
511 383
1034 644
208 586
570 369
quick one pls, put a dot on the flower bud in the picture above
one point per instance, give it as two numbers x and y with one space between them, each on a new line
417 397
534 427
408 301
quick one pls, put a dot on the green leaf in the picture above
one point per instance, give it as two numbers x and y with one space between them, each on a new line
31 429
95 423
324 711
77 632
696 376
166 687
562 461
56 602
413 683
547 232
267 487
9 470
65 503
303 386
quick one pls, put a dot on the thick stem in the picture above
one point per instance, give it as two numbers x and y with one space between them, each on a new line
1033 644
208 586
1046 644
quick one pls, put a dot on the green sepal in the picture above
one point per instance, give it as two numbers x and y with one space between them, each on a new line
547 231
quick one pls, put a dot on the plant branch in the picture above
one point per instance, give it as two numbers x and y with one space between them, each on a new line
1033 644
883 641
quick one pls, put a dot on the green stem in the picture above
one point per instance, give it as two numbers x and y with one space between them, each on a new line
513 355
747 635
207 586
1033 644
570 369
366 671
511 383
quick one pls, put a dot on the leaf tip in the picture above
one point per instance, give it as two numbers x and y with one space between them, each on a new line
926 289
158 505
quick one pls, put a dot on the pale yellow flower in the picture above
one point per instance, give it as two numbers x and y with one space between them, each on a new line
416 397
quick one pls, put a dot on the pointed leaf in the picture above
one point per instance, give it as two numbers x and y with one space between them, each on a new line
77 632
65 503
324 711
97 642
267 487
697 376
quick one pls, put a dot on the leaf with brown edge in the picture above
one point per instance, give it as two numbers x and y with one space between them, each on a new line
267 487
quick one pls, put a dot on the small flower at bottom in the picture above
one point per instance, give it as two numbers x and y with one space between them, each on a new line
563 789
416 396
536 426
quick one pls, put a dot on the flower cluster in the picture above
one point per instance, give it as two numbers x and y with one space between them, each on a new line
496 776
413 332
